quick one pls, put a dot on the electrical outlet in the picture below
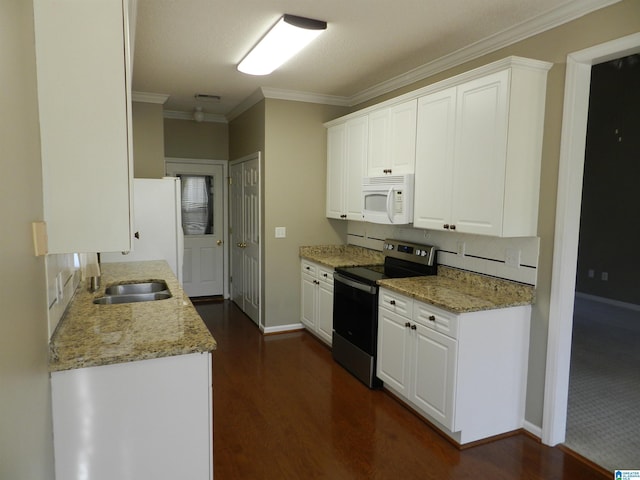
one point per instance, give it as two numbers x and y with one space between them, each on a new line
461 248
59 288
512 258
281 232
604 276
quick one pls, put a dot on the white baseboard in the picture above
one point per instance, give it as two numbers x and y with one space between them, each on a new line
282 328
609 301
534 430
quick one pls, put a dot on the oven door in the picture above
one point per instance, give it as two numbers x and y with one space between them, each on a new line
355 312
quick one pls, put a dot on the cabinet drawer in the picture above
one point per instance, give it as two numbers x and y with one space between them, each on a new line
309 268
325 275
396 303
436 319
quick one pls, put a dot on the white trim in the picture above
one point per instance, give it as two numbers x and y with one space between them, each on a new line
565 248
208 117
534 430
308 97
282 328
609 301
245 105
479 72
511 35
146 97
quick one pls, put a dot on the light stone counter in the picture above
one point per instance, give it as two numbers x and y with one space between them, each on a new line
460 291
334 256
91 335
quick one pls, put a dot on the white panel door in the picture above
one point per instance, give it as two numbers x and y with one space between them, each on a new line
433 374
325 311
393 351
245 228
402 138
434 160
336 158
357 134
480 156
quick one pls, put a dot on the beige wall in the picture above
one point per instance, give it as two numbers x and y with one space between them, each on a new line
293 141
190 139
295 198
26 438
607 24
148 140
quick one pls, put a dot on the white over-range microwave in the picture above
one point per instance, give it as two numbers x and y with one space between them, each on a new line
388 199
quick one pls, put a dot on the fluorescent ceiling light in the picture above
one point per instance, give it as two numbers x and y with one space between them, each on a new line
287 37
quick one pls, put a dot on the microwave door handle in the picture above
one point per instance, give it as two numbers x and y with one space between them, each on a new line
390 204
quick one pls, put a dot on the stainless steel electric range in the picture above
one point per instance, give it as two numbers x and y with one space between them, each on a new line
355 304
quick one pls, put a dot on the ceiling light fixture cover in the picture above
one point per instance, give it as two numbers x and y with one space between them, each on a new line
286 38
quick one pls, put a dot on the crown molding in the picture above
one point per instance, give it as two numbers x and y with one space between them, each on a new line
208 117
298 96
146 97
511 35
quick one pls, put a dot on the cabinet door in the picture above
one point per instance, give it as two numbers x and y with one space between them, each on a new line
433 374
336 164
393 351
357 135
309 299
434 160
325 312
84 111
480 154
378 158
402 138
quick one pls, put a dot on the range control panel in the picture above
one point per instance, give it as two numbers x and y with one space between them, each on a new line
413 252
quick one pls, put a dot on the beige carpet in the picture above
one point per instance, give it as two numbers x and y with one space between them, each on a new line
603 418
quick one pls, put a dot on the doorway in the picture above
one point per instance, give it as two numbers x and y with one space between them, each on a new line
572 151
203 223
245 240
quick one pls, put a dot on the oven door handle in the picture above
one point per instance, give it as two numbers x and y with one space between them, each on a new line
371 290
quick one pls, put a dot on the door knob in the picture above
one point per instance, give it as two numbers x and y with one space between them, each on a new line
219 242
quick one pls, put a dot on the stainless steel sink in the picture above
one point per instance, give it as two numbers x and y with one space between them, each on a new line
136 288
132 298
135 292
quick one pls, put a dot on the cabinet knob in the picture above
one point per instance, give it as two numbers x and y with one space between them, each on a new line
452 227
407 324
325 275
137 235
413 327
432 318
316 282
307 267
446 226
392 302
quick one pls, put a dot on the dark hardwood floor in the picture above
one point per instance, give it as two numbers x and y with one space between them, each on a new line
283 409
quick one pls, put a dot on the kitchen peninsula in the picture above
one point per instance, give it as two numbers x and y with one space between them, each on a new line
131 383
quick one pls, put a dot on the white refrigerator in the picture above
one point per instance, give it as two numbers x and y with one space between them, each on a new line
157 222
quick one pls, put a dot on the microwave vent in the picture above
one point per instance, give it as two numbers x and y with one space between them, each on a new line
386 180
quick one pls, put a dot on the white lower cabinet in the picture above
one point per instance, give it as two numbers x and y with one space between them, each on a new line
316 310
142 419
466 373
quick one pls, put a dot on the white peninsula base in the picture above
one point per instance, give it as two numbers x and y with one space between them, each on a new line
146 419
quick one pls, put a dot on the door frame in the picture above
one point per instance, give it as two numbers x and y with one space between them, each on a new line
567 228
225 210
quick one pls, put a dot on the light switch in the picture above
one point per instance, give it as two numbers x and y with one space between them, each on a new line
281 232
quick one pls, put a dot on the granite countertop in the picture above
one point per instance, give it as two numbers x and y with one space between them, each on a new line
92 335
459 291
335 256
452 289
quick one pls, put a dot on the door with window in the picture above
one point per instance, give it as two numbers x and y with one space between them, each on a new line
202 201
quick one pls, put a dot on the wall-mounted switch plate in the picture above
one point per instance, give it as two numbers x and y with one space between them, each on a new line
604 276
281 232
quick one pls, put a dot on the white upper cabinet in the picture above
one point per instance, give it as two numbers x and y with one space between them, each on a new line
346 160
392 140
84 85
478 153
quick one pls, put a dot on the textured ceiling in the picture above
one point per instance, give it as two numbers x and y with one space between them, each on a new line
184 47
